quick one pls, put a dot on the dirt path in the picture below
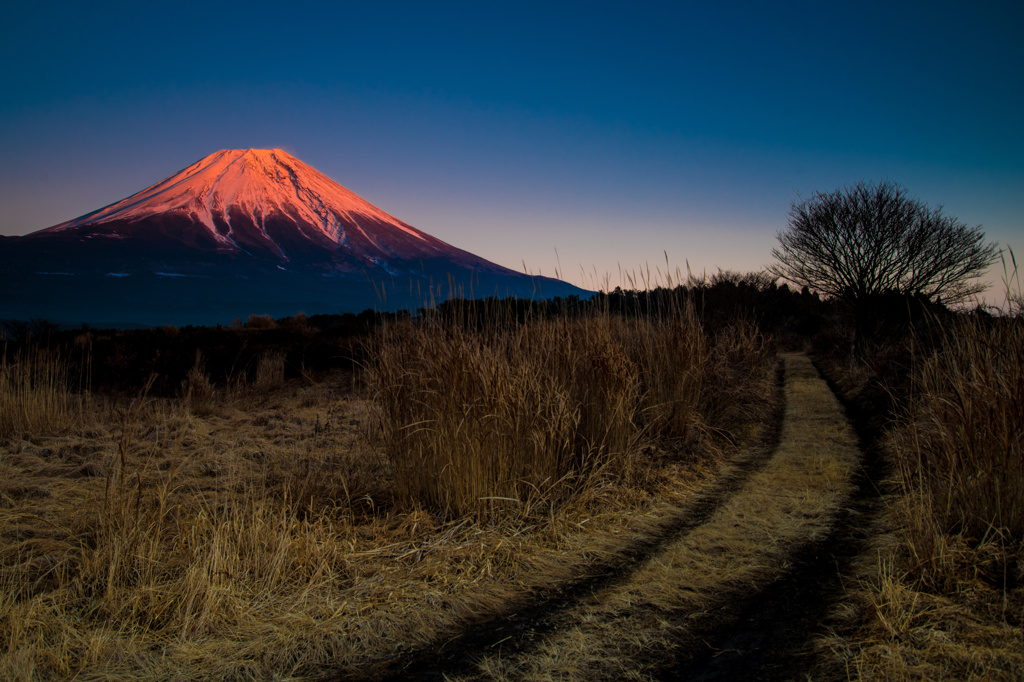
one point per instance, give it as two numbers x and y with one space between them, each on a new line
769 635
733 586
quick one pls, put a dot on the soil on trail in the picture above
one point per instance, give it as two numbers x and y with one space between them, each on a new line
768 636
514 632
734 587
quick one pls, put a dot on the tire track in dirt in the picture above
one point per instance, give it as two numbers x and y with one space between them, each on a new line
516 631
713 595
769 636
698 584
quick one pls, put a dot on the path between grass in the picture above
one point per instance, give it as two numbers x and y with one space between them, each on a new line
653 615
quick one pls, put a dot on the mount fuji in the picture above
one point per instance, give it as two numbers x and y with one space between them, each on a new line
240 232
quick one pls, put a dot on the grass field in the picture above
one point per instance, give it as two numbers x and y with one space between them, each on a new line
271 528
279 521
940 593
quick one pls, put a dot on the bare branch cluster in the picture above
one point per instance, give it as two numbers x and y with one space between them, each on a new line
871 239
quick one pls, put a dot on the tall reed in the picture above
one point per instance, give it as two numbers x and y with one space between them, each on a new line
672 352
483 417
492 420
697 385
960 453
198 393
34 395
269 371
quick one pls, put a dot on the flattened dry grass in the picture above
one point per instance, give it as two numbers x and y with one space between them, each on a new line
152 543
258 532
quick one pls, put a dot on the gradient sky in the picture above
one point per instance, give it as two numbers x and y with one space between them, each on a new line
608 133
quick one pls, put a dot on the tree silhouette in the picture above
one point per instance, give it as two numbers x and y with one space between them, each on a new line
870 239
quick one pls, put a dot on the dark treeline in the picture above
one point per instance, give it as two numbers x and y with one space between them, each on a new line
788 315
124 360
719 301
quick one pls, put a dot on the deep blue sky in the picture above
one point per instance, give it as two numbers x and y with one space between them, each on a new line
608 132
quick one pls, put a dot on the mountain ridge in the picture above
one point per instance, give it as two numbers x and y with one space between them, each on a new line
238 195
271 235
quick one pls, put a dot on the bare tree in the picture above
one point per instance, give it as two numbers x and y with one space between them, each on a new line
871 239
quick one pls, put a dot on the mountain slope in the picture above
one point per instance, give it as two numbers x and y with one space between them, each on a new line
258 231
266 202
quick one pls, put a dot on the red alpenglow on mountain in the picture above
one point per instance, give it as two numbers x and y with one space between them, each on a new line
243 231
267 201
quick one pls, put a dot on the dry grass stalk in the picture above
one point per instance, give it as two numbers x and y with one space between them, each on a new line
498 421
672 353
960 453
34 397
499 417
696 387
892 627
269 372
192 539
198 392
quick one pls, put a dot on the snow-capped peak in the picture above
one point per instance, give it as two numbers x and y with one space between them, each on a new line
256 183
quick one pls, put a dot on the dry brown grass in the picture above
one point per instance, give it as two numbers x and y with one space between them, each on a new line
251 546
627 630
269 372
672 354
505 418
487 422
891 627
941 596
241 533
958 582
960 454
34 396
198 393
